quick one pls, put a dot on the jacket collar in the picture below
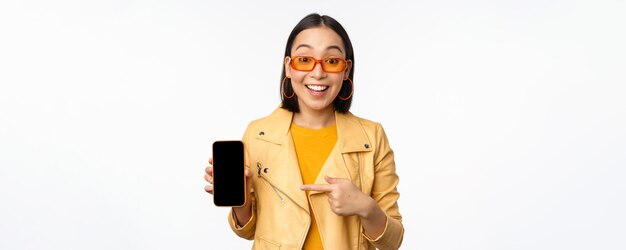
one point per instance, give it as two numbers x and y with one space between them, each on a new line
351 136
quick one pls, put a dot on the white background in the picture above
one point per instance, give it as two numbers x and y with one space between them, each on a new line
508 118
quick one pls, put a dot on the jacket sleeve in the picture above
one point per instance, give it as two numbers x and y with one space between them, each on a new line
384 192
246 231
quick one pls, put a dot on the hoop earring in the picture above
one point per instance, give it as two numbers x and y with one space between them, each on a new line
352 84
282 89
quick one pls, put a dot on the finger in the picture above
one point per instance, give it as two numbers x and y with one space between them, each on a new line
211 160
207 177
337 211
208 189
317 187
332 196
248 172
209 170
335 206
248 175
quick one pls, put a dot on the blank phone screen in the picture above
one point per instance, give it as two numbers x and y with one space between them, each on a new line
228 174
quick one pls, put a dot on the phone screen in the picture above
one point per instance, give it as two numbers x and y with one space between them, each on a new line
228 174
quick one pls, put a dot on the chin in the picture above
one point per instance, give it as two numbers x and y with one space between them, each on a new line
318 105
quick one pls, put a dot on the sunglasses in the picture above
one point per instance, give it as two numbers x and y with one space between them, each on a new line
307 63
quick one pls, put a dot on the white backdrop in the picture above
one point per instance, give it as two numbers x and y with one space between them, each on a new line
508 118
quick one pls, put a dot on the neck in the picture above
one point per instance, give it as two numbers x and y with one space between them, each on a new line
314 119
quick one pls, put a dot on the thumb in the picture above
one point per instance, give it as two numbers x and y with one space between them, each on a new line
330 180
333 180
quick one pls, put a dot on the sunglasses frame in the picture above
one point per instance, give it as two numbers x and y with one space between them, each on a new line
320 61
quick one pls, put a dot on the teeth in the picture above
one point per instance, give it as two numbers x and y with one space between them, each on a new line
317 87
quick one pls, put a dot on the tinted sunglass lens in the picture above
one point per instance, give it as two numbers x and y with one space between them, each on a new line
333 65
303 63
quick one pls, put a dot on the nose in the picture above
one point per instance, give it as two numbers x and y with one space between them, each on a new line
318 71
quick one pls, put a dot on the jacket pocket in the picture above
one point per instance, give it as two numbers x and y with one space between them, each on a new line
261 244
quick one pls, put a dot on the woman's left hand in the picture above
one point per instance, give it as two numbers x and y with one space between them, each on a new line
344 197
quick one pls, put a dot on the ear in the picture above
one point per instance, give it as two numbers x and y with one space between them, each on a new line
287 67
348 68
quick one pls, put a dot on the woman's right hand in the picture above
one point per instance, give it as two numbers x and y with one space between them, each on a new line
244 212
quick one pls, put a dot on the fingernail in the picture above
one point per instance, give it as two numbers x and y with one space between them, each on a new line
301 187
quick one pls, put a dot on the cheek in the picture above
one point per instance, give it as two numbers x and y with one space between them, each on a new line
337 83
297 78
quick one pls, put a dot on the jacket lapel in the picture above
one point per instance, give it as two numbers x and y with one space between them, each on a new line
285 173
351 138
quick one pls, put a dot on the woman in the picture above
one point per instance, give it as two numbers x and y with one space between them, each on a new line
319 177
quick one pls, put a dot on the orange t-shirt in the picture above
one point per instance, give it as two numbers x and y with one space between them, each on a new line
313 146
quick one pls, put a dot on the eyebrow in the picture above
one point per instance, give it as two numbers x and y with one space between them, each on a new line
327 48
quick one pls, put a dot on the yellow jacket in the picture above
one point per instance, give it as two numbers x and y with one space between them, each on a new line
280 211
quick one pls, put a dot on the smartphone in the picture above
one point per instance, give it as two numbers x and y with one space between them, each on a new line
229 179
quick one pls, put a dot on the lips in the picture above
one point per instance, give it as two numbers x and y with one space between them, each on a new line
317 88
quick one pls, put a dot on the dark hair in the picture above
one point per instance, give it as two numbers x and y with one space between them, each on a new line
311 21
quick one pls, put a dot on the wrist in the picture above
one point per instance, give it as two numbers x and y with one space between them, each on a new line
369 208
242 214
246 208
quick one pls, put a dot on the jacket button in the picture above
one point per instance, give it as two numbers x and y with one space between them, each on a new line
367 146
261 133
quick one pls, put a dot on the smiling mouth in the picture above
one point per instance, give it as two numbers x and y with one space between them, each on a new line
317 88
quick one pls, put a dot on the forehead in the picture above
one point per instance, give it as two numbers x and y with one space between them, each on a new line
318 39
